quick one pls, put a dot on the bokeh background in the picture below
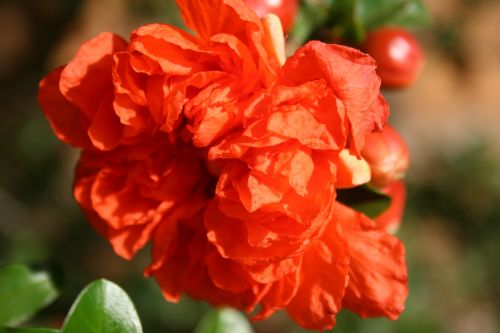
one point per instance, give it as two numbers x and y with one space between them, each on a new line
450 118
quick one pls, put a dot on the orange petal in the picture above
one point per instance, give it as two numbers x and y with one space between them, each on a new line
324 276
88 77
378 283
105 130
297 123
125 241
211 17
173 50
279 295
351 75
231 17
67 121
226 274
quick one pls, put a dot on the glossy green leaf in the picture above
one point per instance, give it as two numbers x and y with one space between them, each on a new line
28 330
224 320
102 307
312 15
365 199
343 21
350 20
376 13
23 293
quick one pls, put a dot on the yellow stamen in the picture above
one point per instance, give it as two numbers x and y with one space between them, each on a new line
357 171
274 38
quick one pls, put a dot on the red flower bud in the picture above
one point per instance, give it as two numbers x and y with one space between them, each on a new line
388 156
399 56
285 9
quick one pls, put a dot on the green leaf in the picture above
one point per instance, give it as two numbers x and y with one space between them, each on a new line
350 20
224 320
344 22
102 307
376 13
365 199
28 330
312 15
23 293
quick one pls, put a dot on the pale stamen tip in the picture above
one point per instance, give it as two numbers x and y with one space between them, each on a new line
274 37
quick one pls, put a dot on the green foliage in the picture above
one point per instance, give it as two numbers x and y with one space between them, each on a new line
350 20
29 330
365 199
376 13
23 293
102 307
224 320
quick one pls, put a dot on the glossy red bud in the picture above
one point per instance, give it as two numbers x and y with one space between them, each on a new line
286 10
388 156
398 54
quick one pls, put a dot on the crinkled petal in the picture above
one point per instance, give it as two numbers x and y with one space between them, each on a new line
323 280
68 123
378 277
174 51
125 241
178 249
227 274
280 294
88 77
231 17
211 17
351 75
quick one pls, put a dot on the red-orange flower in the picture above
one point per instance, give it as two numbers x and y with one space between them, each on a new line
228 160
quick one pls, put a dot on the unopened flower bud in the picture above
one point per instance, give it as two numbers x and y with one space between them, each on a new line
388 156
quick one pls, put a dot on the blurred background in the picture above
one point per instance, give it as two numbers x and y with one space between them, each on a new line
450 119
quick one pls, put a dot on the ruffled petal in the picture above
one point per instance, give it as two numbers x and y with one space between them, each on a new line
265 210
87 78
105 130
178 249
173 51
351 75
231 17
66 120
280 294
125 241
378 278
127 192
323 280
211 17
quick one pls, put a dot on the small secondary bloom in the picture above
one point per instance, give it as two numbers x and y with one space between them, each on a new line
228 157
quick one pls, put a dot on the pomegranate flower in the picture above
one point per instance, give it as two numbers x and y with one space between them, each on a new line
227 157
